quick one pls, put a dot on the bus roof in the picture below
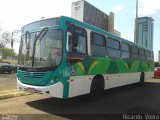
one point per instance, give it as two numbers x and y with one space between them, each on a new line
51 22
85 25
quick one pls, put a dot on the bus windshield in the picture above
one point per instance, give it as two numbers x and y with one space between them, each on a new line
44 51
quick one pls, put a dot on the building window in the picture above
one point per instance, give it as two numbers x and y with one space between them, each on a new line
113 48
145 32
98 44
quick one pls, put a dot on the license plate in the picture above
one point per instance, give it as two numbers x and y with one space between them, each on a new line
32 90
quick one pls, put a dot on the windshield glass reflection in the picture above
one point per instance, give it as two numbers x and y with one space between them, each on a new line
48 49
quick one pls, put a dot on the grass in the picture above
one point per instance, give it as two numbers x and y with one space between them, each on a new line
9 61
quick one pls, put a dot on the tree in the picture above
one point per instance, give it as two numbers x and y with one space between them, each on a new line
156 64
9 38
5 38
7 52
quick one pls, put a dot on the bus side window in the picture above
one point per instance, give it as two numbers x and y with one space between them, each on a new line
98 44
76 44
142 54
134 53
69 42
148 55
73 43
81 47
77 40
113 48
152 56
125 50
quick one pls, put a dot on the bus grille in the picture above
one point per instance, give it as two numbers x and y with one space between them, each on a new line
33 74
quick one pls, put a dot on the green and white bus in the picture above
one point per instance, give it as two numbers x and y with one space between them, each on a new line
63 57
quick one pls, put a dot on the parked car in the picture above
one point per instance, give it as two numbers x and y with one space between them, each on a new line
14 67
5 67
157 72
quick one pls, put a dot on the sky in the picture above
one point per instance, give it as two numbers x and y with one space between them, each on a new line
16 13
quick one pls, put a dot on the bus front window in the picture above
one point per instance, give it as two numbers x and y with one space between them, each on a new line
46 51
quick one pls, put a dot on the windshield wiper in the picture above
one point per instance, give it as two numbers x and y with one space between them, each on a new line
40 35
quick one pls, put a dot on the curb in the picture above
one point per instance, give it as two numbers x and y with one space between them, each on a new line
11 95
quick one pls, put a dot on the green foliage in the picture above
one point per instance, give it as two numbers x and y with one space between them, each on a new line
5 38
7 52
156 64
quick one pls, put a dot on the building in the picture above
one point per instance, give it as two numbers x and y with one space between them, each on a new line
145 32
0 55
117 33
85 12
159 57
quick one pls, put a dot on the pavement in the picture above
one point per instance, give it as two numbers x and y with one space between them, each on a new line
4 94
8 86
117 103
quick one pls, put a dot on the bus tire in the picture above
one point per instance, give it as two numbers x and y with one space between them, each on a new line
141 82
97 88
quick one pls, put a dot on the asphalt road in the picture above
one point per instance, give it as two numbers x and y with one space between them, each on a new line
129 99
8 81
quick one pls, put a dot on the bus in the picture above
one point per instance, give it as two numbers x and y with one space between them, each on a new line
63 57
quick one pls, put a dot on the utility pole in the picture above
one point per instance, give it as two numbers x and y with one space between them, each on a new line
14 33
136 24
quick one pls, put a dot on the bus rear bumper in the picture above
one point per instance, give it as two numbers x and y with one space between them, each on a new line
55 90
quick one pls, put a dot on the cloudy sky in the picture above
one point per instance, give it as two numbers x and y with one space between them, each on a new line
16 13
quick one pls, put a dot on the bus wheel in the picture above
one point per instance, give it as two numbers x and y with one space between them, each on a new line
141 83
97 88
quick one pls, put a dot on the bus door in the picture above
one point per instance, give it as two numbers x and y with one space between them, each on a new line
76 53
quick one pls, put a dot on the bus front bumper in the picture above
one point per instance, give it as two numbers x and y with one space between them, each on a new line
55 90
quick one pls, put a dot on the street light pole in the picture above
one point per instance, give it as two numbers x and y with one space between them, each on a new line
136 24
14 33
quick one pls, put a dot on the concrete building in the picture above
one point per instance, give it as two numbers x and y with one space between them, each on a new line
0 55
117 33
85 12
159 57
145 32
